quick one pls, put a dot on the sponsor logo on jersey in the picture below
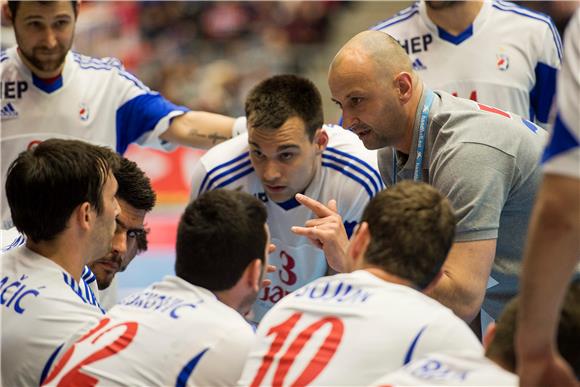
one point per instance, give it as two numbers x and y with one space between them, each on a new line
8 111
83 111
416 44
503 62
418 65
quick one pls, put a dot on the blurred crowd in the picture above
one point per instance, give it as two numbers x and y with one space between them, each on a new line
206 55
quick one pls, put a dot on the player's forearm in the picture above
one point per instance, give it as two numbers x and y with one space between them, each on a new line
550 258
199 129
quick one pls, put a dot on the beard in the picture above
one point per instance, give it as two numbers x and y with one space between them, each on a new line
34 56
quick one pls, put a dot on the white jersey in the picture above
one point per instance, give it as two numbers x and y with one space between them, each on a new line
87 288
562 155
508 57
94 100
450 369
349 330
348 173
171 334
41 310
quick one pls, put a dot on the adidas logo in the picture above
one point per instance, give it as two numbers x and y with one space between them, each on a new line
418 65
8 111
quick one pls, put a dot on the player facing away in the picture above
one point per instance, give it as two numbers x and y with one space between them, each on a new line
288 150
498 366
61 195
351 328
188 329
493 52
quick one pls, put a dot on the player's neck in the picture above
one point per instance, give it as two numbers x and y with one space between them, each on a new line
456 18
59 253
38 72
388 277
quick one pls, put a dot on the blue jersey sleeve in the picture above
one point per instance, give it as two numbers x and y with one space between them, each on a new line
139 116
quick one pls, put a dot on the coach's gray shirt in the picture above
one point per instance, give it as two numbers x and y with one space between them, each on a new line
487 164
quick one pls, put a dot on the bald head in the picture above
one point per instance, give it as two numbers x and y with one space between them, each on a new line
374 48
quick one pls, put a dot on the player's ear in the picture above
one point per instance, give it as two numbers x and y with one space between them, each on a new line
320 140
83 216
6 13
489 335
253 274
358 245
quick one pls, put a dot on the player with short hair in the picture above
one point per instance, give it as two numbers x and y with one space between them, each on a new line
49 91
288 150
498 367
350 328
136 198
188 329
62 197
493 52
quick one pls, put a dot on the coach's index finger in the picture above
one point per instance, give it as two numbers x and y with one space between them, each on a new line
318 208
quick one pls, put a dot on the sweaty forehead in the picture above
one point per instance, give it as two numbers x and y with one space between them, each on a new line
130 216
291 133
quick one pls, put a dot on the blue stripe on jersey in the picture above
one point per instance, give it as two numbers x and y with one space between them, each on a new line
225 173
3 56
220 166
354 177
360 161
456 39
562 140
398 17
409 355
47 87
542 94
86 63
139 116
354 167
88 276
234 178
19 241
187 370
48 364
289 204
513 8
87 297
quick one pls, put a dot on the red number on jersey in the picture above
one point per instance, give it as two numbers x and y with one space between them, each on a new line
316 364
289 278
75 377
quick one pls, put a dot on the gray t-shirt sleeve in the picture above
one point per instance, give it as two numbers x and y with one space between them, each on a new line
476 179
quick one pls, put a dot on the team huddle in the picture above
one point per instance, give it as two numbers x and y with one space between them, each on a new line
385 251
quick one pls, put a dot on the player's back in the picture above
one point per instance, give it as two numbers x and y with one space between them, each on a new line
349 329
41 310
172 333
450 369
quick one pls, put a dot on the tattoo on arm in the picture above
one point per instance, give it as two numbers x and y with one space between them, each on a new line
214 137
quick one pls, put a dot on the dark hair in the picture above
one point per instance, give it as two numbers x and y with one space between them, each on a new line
502 345
412 227
134 185
219 235
47 182
135 189
14 4
276 99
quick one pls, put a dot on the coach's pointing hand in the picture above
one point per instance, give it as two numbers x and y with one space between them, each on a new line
326 231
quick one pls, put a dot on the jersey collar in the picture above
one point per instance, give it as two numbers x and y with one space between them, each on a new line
470 31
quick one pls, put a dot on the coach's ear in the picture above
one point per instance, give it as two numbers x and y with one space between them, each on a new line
489 335
320 140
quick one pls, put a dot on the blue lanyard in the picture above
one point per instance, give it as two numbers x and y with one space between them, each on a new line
418 173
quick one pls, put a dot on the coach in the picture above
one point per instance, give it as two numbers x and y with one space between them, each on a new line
484 159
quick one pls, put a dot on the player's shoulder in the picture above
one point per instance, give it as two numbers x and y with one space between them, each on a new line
89 62
226 164
402 19
4 57
347 160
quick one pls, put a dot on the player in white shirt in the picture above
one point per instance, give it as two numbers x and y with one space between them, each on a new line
287 150
494 52
552 250
498 366
49 91
62 197
188 329
351 328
